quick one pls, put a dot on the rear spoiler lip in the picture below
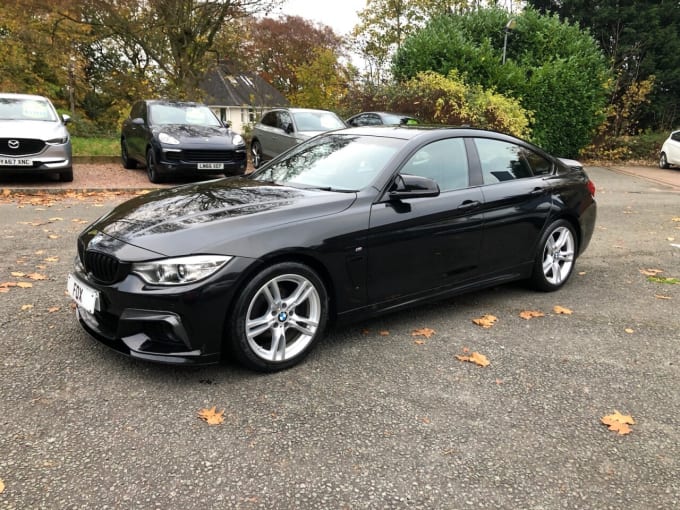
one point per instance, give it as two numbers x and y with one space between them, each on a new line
571 163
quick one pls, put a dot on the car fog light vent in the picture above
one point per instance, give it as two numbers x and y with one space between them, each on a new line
102 266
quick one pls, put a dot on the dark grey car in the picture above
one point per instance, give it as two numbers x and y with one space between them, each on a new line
283 128
33 137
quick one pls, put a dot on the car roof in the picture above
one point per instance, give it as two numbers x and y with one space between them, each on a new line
11 95
408 132
172 102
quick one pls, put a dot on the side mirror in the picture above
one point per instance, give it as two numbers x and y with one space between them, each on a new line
65 118
227 123
138 121
413 186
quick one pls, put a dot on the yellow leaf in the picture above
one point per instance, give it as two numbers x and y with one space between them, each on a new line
211 416
419 342
476 358
6 193
53 236
24 285
486 321
52 259
530 314
53 309
629 330
426 332
651 272
18 274
560 310
2 483
26 307
618 422
659 296
40 252
36 276
676 219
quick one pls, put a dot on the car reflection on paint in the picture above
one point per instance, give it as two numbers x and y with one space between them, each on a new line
347 225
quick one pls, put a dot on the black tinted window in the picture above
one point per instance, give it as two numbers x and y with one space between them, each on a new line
502 161
539 165
269 119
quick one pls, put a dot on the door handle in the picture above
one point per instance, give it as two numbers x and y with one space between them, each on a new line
536 191
469 204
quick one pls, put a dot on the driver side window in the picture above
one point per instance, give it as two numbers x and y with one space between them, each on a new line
443 161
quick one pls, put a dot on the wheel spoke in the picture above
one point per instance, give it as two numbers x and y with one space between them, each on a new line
272 293
304 325
300 295
547 265
562 239
557 273
256 327
278 348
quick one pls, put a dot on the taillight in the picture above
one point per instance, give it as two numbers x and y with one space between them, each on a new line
591 187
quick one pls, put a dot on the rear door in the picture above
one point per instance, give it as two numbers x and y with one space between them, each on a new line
517 199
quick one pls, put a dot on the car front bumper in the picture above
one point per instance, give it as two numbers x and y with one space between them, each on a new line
172 161
181 325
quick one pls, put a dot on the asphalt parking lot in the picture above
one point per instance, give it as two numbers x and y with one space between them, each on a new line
375 418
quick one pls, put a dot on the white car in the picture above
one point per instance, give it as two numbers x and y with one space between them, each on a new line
33 137
670 151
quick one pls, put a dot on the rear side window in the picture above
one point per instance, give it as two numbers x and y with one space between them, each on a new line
505 161
269 119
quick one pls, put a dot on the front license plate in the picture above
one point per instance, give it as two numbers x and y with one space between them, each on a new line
211 166
15 162
85 296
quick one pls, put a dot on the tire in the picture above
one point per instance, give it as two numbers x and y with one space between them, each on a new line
663 161
286 302
128 162
256 153
555 257
152 168
66 175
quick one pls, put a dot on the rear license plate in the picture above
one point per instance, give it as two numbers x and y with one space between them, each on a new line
85 296
15 162
211 166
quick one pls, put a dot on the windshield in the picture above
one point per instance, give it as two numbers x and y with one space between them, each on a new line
26 109
317 121
336 161
198 115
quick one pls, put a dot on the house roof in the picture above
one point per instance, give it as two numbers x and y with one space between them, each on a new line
224 87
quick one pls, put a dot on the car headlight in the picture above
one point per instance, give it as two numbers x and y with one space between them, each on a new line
57 141
238 140
180 270
166 138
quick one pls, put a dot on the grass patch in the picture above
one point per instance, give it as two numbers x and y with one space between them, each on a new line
660 279
95 146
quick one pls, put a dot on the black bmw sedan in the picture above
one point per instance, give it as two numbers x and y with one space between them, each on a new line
344 226
172 138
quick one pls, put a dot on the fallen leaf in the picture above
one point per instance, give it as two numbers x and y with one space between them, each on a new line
52 259
670 239
24 285
485 321
26 307
419 342
53 309
2 483
651 272
530 314
618 423
56 219
40 252
6 193
53 236
661 279
426 332
582 273
677 219
3 290
560 310
425 420
211 416
629 330
384 333
476 358
18 274
659 296
36 276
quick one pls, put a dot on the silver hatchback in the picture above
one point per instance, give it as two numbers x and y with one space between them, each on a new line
33 137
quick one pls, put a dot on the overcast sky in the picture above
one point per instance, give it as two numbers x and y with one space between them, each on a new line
340 15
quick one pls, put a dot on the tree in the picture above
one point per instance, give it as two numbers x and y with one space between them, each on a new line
641 40
321 83
176 37
556 70
280 48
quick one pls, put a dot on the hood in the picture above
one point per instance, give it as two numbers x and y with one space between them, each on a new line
35 129
194 134
217 214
